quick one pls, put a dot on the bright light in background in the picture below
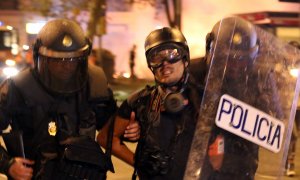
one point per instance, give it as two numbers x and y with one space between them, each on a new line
126 75
294 72
10 62
25 47
10 71
9 27
121 74
158 27
34 28
14 49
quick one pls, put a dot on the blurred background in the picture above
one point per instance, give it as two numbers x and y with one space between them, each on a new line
117 25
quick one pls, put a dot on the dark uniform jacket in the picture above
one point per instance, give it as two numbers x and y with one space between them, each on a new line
50 122
166 137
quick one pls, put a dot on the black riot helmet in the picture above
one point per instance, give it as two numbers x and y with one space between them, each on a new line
166 44
238 36
60 56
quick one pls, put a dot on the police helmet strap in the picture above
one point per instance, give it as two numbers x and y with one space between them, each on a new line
36 46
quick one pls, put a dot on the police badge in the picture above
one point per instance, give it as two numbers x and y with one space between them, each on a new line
52 128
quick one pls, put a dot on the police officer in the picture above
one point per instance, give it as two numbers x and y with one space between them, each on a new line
167 111
229 156
57 107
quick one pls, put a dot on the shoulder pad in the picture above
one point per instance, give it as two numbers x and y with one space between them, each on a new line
98 82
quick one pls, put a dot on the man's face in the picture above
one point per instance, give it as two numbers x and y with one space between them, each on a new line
62 69
170 73
167 64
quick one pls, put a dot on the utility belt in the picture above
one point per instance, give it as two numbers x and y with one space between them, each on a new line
82 158
65 169
85 150
78 170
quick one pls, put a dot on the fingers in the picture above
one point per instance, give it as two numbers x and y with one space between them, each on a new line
132 131
132 118
24 161
19 170
132 134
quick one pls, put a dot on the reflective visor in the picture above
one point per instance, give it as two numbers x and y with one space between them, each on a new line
65 60
169 53
63 75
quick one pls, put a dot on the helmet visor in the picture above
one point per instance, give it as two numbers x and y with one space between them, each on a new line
63 75
169 53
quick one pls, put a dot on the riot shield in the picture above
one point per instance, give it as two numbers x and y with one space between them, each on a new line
249 104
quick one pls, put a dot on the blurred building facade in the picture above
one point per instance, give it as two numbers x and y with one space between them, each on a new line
129 24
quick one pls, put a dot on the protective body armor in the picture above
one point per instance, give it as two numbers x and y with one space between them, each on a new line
51 123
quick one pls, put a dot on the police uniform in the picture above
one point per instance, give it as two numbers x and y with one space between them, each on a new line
46 120
58 123
239 157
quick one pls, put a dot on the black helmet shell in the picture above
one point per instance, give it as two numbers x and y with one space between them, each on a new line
240 33
62 38
166 35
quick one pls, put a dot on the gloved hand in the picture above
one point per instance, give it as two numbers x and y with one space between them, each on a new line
20 168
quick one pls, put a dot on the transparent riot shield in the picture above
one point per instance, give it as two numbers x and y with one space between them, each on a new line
249 104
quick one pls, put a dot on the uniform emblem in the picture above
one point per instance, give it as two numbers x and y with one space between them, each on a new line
52 129
237 38
67 41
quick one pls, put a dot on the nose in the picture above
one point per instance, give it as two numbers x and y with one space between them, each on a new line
165 62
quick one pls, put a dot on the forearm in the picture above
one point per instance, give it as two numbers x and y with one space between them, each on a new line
119 149
122 152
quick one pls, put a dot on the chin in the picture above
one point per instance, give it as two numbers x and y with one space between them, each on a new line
169 81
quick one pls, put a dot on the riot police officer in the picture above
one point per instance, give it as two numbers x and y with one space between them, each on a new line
167 111
57 107
230 156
